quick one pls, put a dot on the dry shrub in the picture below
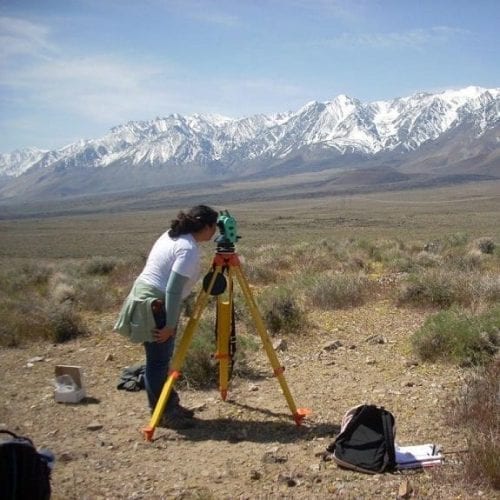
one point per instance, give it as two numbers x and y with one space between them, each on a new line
337 291
442 288
99 265
94 294
428 259
281 311
259 273
477 409
484 245
34 320
66 324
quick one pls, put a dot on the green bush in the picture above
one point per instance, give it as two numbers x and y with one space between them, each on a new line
337 291
453 336
430 288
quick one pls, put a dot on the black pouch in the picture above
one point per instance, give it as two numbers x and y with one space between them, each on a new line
159 313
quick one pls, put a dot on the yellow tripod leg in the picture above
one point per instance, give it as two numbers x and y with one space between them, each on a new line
178 359
223 332
298 414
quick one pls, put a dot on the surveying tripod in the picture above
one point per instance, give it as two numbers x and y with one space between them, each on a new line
226 260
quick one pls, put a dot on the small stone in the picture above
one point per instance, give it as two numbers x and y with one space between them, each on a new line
410 362
255 475
65 456
332 346
109 357
280 345
36 359
405 490
94 426
376 339
371 362
287 479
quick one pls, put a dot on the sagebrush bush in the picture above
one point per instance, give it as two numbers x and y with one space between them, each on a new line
281 311
428 259
458 239
34 320
66 324
94 294
100 265
455 337
439 288
477 409
485 245
260 273
337 291
200 368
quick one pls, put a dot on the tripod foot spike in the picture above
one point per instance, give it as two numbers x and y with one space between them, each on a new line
148 433
223 394
301 414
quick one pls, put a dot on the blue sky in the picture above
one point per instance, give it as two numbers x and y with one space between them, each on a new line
72 69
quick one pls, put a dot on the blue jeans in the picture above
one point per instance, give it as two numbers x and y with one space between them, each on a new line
157 362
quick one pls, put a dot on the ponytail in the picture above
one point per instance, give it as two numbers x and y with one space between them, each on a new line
193 221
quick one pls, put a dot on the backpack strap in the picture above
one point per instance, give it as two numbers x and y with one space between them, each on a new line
390 457
15 436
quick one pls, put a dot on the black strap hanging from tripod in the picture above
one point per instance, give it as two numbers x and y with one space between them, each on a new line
231 340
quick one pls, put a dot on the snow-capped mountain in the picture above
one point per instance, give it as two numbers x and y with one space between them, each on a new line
191 148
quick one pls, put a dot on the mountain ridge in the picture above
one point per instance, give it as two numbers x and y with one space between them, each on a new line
410 134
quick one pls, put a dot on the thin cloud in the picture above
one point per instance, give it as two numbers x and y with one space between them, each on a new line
204 11
21 37
416 39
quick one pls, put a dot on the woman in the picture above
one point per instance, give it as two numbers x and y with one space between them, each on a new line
170 273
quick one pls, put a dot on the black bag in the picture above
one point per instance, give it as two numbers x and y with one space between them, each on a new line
366 440
24 472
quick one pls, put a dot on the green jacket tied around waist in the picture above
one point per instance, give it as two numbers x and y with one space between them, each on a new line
136 320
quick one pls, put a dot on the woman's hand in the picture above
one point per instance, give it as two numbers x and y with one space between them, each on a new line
163 334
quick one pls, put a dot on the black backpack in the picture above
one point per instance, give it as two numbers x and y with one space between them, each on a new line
24 472
366 440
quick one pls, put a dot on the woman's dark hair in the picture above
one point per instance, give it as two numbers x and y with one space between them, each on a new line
195 220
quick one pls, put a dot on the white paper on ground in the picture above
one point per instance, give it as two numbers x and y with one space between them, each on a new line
422 455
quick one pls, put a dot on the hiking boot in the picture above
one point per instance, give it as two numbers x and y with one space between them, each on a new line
185 412
175 420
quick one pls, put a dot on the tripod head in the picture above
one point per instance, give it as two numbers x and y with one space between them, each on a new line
228 232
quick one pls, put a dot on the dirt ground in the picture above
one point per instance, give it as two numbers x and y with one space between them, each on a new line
248 446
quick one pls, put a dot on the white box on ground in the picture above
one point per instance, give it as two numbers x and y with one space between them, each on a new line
69 384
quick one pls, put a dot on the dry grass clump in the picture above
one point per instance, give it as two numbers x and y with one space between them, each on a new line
34 320
99 265
327 291
477 409
442 288
428 259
